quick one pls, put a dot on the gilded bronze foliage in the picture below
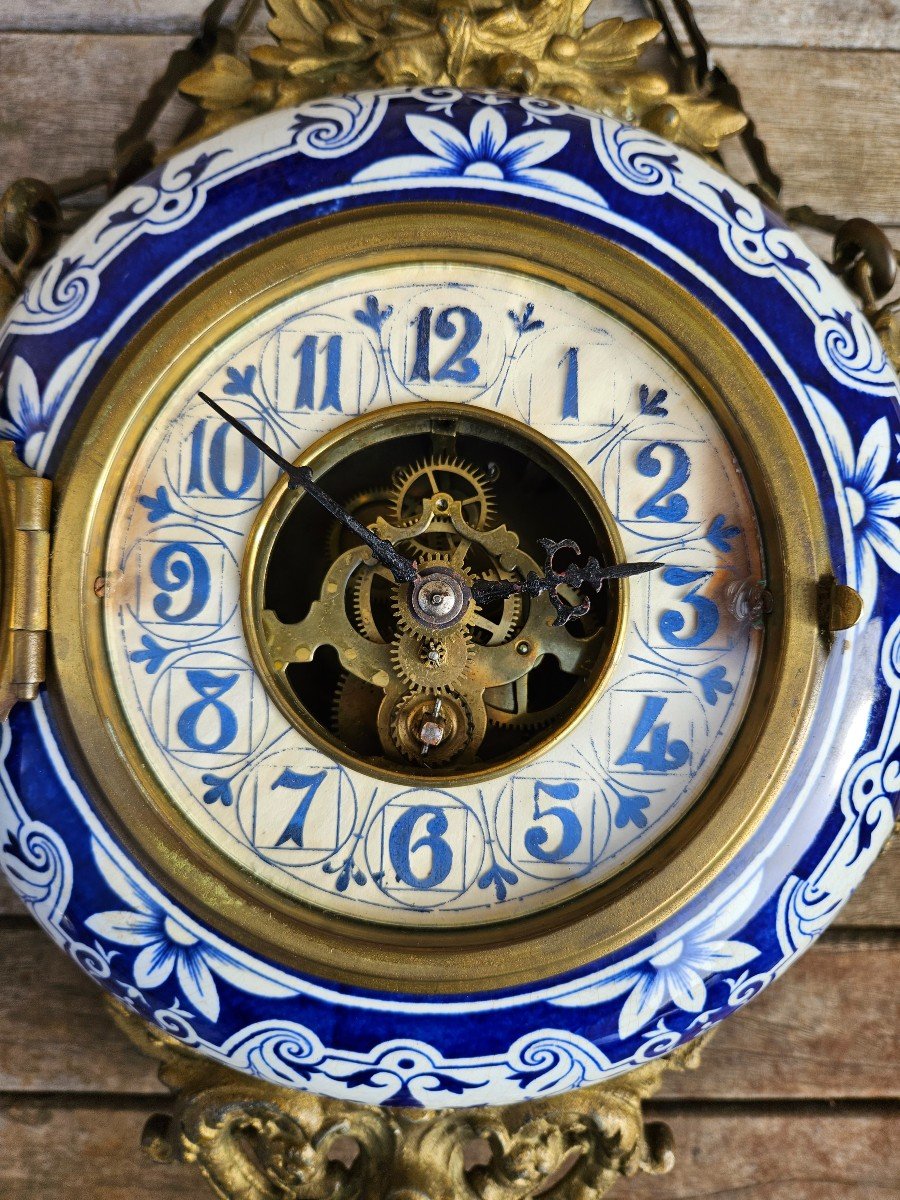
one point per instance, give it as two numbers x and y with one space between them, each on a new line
540 47
252 1140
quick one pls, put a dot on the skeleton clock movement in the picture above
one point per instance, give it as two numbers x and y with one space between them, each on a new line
450 642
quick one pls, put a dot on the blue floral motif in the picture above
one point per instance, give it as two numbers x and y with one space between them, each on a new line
713 682
526 322
152 654
487 153
498 877
873 500
631 810
373 315
721 535
240 383
158 506
347 872
166 945
32 412
652 406
677 969
218 790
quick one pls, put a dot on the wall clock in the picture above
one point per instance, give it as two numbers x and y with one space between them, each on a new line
450 604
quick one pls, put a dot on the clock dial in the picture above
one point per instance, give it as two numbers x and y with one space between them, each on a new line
550 774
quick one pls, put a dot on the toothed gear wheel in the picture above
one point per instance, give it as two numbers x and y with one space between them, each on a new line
445 475
361 605
367 507
507 708
406 622
453 714
432 664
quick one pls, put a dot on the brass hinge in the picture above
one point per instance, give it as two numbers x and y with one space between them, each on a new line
24 578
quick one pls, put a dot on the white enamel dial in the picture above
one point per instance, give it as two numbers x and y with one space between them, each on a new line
341 839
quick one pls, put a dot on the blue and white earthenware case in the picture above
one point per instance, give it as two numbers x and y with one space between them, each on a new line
834 811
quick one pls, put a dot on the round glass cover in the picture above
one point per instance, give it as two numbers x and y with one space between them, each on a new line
579 767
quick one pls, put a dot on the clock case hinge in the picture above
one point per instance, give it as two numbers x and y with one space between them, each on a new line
24 578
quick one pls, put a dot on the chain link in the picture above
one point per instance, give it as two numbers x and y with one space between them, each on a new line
862 252
34 216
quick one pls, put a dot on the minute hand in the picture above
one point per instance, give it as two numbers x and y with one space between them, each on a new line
574 576
403 569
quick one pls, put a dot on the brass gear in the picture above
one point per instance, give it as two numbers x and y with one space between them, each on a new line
406 622
361 603
433 664
354 711
408 714
367 507
445 475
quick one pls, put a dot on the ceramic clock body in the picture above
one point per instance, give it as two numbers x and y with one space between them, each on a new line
482 320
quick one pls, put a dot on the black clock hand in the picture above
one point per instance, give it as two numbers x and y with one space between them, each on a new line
403 569
574 576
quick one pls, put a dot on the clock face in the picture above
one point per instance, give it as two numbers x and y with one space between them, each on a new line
529 411
466 860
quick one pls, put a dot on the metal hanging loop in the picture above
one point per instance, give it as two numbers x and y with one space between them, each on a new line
865 258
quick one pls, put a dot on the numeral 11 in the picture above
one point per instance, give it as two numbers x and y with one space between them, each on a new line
307 352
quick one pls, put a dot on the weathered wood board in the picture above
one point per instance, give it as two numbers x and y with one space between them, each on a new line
797 1098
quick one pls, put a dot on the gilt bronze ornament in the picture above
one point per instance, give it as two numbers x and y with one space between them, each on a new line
446 718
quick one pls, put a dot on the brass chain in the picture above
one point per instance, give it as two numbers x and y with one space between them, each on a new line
862 253
35 216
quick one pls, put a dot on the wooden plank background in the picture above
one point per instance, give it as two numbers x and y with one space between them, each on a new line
799 1094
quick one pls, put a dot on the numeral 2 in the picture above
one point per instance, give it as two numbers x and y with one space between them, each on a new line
665 504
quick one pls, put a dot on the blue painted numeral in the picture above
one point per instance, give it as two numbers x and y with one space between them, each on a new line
308 352
210 688
176 567
218 457
675 507
671 622
537 836
570 394
661 755
458 367
401 846
309 785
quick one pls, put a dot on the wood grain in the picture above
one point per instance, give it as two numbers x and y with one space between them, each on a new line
55 1151
834 24
65 98
830 122
823 1031
742 1153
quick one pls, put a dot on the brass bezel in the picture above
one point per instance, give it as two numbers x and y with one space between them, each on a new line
605 917
275 510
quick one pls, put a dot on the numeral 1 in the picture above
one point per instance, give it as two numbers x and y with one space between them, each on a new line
570 395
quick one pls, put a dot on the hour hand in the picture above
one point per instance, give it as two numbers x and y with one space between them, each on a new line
403 569
576 577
